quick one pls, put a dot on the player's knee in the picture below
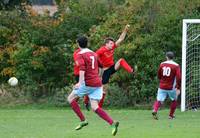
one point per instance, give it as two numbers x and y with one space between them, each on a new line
121 59
118 63
69 99
94 107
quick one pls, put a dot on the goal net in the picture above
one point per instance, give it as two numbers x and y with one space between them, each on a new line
190 97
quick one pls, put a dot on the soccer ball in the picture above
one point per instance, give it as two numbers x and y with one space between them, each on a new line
13 81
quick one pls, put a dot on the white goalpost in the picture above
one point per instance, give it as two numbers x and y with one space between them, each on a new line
190 86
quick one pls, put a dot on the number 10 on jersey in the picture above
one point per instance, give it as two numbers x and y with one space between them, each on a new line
166 71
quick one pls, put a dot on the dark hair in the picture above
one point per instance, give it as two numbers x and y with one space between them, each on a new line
82 41
109 39
170 55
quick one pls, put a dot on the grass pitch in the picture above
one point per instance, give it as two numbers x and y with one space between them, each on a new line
61 123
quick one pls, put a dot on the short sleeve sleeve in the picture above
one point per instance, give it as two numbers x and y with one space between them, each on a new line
99 52
80 62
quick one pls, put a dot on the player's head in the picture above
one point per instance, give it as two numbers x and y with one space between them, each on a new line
109 42
82 41
169 55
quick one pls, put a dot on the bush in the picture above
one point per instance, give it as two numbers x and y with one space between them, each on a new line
60 98
38 49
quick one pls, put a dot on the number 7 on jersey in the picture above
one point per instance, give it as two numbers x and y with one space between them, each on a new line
93 59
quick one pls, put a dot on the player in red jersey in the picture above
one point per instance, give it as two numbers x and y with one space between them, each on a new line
170 82
76 75
106 57
89 84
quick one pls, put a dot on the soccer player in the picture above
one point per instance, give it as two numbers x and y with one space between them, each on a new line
89 84
170 83
76 75
105 55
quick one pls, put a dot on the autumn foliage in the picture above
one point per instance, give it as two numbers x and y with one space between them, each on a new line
38 49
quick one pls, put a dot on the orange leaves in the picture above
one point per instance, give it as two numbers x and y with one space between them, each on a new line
40 51
46 23
31 11
10 50
11 62
37 64
58 21
9 71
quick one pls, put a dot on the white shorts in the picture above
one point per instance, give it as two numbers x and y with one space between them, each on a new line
162 94
94 93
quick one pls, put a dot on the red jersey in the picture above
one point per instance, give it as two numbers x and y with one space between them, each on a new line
169 75
76 68
106 56
88 62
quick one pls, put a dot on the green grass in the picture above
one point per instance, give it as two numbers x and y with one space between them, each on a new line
60 123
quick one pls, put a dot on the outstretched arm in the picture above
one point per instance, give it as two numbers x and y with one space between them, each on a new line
123 35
